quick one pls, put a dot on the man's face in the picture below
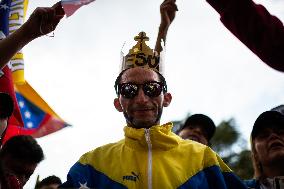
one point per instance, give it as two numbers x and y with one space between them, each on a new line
141 111
194 133
18 168
269 146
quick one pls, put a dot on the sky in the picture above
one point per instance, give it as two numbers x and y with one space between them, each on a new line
207 70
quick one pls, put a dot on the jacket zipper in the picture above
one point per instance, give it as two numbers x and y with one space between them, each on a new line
148 140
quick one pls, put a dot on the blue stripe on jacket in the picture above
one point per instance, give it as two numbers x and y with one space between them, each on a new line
86 174
209 178
212 177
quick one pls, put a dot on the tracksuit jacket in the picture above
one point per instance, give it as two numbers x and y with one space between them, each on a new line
152 158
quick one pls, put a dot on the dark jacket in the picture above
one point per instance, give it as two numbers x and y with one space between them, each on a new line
252 24
252 184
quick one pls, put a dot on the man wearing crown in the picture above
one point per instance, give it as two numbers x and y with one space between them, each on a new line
150 155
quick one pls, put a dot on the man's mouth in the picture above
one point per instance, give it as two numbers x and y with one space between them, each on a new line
193 137
142 109
276 144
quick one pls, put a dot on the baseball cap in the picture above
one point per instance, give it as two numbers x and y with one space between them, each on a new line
272 119
202 121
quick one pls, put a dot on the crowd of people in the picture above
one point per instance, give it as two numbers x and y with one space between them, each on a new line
151 155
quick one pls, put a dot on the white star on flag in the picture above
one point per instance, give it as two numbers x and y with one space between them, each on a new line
27 114
2 35
83 186
4 7
21 104
30 125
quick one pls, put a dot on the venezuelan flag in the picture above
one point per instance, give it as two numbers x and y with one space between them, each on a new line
32 115
39 119
6 79
70 6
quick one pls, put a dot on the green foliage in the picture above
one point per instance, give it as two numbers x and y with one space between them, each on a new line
230 145
241 164
225 136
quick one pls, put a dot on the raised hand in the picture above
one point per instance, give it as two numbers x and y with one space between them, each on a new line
41 22
168 12
44 20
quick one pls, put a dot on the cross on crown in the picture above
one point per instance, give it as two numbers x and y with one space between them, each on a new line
141 55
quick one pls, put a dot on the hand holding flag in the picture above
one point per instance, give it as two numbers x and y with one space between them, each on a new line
44 20
70 6
41 22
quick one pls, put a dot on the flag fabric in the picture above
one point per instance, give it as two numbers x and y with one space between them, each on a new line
70 6
16 19
39 119
32 115
6 80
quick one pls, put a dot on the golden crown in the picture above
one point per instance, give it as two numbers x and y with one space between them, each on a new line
141 55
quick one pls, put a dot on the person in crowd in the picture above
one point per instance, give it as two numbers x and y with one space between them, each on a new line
198 127
150 155
19 157
41 22
253 25
50 182
267 145
6 110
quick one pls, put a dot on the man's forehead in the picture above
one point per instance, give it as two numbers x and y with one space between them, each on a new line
139 75
194 126
271 127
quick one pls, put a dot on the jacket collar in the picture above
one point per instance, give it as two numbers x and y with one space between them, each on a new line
161 137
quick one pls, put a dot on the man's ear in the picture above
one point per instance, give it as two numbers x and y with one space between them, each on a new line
117 105
167 99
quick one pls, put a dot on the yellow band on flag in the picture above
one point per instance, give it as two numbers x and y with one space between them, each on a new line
17 16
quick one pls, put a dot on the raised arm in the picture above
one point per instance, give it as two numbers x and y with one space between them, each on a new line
252 24
168 12
42 21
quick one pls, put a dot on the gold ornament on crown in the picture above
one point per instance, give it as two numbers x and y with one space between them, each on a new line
141 55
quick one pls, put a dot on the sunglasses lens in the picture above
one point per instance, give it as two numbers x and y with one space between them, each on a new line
128 90
152 89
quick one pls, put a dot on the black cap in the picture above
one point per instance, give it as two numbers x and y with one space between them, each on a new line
279 108
271 119
202 121
6 105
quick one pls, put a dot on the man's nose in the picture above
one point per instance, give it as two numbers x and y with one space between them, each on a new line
141 97
274 134
196 129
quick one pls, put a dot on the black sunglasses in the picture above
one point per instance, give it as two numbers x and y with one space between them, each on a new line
151 89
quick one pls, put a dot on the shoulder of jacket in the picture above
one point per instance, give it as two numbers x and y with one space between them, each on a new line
101 151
